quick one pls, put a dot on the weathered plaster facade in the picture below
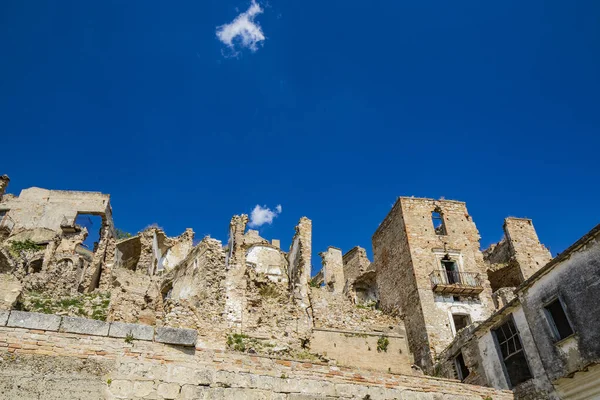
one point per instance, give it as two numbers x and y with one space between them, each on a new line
559 363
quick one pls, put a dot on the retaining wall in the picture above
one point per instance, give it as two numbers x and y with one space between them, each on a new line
40 359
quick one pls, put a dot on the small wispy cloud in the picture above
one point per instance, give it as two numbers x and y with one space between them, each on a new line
243 31
263 215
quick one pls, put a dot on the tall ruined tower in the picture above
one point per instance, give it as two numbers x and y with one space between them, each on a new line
430 269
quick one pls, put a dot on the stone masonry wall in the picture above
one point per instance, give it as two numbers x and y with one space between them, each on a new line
194 295
529 253
407 250
355 263
396 281
333 269
299 264
38 363
517 256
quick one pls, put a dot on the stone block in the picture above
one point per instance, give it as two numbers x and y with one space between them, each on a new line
192 392
302 396
183 337
46 322
168 390
121 389
143 388
139 332
84 326
4 317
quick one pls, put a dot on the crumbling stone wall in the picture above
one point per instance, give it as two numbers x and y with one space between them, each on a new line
530 254
333 269
54 209
235 283
272 318
299 261
517 256
349 334
269 260
4 180
135 297
193 293
356 263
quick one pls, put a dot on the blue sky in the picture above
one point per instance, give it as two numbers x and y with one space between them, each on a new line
342 107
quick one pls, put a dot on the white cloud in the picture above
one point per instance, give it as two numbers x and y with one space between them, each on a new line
244 28
263 215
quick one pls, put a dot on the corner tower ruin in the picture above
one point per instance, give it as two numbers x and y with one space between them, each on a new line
431 271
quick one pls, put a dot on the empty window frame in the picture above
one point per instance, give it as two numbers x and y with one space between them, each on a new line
450 269
512 353
439 227
558 320
461 368
460 321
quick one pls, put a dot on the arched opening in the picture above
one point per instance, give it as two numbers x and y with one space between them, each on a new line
437 218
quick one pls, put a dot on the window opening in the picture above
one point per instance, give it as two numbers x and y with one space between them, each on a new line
451 270
93 224
438 222
512 353
559 322
460 321
461 368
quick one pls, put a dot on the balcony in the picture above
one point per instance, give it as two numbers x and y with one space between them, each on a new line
455 282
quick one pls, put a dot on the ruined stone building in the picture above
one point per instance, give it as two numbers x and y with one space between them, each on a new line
247 319
509 317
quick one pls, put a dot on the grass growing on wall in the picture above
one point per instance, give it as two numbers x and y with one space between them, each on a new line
89 305
382 344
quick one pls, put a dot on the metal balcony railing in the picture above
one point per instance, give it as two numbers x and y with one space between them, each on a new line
455 282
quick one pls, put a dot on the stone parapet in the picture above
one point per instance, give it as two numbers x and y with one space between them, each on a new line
135 331
84 326
91 327
45 322
183 337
